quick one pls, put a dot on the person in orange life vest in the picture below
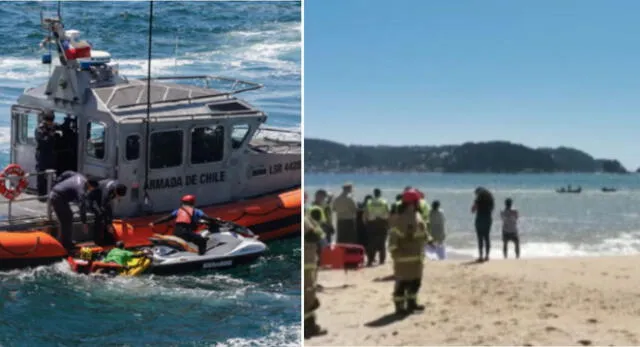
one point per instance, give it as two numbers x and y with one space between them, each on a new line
187 218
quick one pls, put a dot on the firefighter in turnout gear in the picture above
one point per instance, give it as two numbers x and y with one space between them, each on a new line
408 238
313 238
376 215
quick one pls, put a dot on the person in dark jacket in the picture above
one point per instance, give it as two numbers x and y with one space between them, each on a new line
71 187
395 204
187 218
99 202
45 135
361 226
67 146
483 208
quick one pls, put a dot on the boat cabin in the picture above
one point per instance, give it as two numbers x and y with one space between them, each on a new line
195 139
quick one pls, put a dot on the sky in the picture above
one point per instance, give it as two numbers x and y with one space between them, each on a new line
425 72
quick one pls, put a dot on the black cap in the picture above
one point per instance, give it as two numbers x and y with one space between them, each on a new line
48 115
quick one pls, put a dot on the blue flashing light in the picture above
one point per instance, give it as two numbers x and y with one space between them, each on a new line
46 58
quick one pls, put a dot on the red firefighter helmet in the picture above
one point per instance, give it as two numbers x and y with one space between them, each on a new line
410 196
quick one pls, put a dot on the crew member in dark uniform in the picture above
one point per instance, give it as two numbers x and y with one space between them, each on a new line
99 202
45 135
67 154
187 218
71 188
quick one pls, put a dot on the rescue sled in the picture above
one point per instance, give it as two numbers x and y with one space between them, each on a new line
84 265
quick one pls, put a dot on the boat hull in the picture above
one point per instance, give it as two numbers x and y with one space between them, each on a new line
207 264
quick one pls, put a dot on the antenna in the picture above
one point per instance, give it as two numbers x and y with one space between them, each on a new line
175 57
147 121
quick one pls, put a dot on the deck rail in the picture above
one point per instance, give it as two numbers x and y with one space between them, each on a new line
207 79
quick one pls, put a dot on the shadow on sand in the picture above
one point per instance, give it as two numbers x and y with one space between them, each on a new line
384 279
321 288
472 262
386 320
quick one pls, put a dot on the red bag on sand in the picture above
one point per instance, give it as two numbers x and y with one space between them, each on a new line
342 256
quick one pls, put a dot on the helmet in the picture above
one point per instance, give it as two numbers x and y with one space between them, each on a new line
410 196
189 199
86 253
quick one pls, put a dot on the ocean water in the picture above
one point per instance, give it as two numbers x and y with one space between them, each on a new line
551 225
258 305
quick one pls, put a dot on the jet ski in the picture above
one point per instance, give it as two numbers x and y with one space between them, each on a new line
228 245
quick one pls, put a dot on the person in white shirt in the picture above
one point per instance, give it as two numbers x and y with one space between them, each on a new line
436 228
510 227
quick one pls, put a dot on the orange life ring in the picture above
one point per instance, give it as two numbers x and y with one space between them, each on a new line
14 191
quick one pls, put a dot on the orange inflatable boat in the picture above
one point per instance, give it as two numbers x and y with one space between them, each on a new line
270 217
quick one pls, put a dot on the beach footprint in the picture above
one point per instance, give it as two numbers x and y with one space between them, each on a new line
547 315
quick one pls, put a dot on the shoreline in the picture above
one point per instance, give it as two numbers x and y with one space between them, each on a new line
417 172
582 300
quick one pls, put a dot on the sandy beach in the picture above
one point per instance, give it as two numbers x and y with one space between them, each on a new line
552 301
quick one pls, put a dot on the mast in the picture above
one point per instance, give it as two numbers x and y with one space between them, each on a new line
147 200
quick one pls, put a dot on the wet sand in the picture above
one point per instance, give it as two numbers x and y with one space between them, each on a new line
561 301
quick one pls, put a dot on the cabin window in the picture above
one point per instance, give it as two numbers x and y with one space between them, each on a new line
207 144
239 134
166 149
132 149
28 124
96 138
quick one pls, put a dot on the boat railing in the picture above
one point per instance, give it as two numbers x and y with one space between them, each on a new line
236 87
9 202
193 116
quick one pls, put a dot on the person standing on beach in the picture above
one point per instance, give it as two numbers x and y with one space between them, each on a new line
424 207
406 244
361 223
319 205
346 212
376 214
395 204
509 218
483 208
313 238
436 229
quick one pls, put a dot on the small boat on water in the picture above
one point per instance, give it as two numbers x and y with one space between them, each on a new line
569 190
608 189
162 137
